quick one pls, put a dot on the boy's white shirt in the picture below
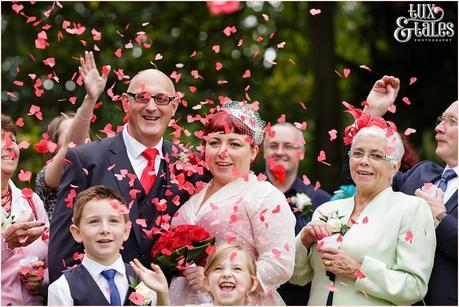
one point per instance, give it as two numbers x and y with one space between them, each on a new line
59 290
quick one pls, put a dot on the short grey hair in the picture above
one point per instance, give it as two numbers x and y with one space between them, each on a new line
286 124
394 140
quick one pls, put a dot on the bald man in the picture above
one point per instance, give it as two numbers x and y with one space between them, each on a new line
150 102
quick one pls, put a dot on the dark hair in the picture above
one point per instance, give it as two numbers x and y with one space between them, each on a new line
410 158
223 122
55 123
8 125
98 192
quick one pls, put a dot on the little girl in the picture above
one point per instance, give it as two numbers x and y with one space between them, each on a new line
229 276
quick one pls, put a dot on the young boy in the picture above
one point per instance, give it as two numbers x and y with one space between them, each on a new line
100 223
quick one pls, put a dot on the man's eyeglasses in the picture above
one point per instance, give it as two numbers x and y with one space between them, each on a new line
286 147
144 98
374 156
451 121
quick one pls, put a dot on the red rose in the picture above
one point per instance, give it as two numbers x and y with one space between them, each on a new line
181 239
182 228
198 234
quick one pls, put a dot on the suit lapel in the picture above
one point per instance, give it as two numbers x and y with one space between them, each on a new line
119 161
451 204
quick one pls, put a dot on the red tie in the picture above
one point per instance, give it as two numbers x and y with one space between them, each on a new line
148 175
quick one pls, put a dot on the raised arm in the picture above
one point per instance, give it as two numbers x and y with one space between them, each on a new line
79 129
382 95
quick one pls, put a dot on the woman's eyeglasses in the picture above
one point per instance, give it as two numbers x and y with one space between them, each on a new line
374 156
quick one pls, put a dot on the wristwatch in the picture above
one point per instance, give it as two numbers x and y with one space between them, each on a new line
441 216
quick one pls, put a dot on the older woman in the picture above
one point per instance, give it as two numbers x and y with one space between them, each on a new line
386 255
24 220
236 207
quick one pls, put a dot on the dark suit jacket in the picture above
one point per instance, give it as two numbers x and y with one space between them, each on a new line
103 160
293 294
443 281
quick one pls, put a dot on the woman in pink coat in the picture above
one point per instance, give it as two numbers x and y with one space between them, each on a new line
24 240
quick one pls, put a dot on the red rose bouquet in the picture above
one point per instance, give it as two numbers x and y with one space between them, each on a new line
184 244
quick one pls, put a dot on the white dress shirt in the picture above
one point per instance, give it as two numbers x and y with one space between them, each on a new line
134 150
59 290
452 184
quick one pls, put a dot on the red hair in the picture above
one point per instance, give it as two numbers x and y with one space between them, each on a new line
223 122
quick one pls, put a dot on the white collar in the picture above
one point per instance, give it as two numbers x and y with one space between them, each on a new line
94 268
135 148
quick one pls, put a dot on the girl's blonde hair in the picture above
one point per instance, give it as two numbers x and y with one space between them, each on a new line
223 251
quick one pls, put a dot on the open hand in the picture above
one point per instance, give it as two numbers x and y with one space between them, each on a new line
153 279
93 82
382 95
23 233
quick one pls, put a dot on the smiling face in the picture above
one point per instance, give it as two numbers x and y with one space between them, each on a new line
10 154
228 156
446 136
102 230
230 281
371 176
147 122
286 147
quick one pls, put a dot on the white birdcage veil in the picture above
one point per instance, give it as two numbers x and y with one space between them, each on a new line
249 117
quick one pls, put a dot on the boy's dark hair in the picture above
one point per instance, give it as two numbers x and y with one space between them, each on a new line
98 192
8 125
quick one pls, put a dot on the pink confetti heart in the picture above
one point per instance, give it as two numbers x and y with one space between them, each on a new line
322 156
332 133
96 35
51 62
246 74
24 175
281 45
409 237
216 48
20 122
346 72
276 253
17 8
265 17
118 53
141 222
281 119
427 186
413 79
406 100
314 12
72 100
392 108
409 131
218 66
365 220
229 30
158 57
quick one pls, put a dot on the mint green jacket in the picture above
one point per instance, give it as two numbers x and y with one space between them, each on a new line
393 240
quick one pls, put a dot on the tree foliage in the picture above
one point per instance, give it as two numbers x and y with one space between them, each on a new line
288 52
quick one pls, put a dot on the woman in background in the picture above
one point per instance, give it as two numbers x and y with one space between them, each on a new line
70 129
